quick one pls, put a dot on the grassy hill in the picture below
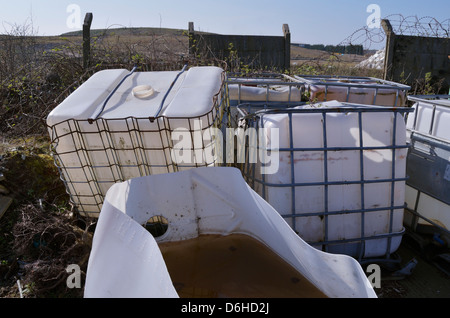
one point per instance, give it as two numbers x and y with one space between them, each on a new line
129 31
141 34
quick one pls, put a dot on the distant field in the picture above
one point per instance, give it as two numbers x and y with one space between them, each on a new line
171 41
299 53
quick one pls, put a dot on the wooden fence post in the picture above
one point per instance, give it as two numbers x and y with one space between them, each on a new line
191 38
87 40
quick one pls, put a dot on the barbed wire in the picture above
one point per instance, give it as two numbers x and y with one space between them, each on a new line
410 25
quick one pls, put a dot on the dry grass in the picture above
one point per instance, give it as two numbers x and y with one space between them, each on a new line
315 62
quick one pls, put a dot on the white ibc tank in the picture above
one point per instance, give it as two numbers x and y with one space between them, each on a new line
358 90
343 192
119 124
427 190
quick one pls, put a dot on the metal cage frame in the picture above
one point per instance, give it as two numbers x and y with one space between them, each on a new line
252 115
429 159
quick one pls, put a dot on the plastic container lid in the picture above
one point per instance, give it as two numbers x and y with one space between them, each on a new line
190 96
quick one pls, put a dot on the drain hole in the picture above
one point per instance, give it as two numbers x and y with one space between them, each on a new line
157 225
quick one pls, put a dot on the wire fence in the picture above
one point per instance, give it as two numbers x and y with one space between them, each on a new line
37 74
402 25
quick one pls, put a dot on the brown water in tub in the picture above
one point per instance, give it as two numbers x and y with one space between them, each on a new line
232 266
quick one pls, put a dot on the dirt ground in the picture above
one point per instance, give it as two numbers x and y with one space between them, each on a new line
39 263
426 281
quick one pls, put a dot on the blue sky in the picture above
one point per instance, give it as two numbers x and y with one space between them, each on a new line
326 21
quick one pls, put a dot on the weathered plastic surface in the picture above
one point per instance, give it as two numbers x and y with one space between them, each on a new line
427 206
358 90
125 260
190 95
431 117
358 95
274 93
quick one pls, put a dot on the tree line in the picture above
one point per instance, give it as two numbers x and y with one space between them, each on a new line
343 49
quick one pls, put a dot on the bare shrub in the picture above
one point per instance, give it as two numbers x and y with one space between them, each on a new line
47 242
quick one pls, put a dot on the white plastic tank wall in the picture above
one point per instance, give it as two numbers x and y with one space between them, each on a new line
430 120
261 88
125 260
357 90
264 90
345 170
430 117
432 209
126 141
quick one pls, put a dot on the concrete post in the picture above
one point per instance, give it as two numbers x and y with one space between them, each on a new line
287 47
87 39
191 38
389 49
